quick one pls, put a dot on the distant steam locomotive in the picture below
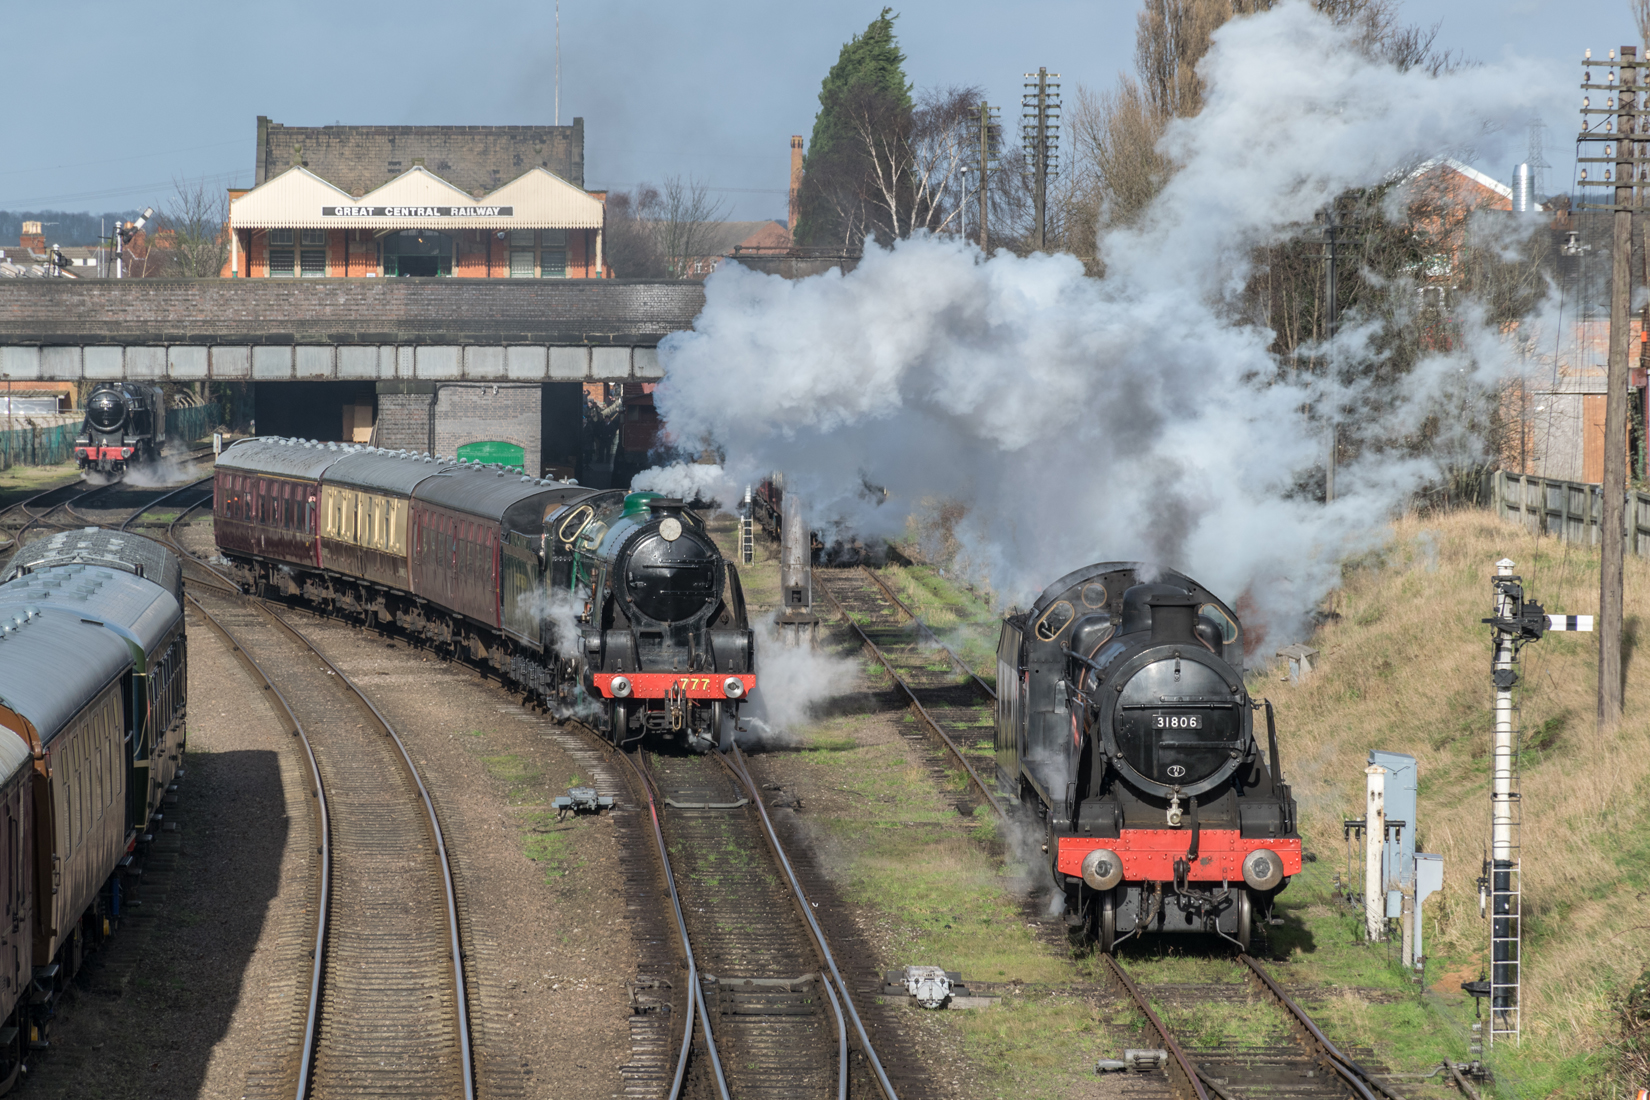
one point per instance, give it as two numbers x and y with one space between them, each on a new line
1122 715
125 426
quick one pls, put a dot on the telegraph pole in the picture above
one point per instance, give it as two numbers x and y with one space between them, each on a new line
1621 120
987 136
1040 120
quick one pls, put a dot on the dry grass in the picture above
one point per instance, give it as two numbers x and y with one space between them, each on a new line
1406 668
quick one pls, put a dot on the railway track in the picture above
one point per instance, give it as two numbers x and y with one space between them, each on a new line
39 512
953 707
1296 1061
388 1010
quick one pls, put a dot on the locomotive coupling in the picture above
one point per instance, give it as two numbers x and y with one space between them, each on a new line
1262 869
1102 869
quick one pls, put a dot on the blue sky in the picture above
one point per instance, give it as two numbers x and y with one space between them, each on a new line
665 88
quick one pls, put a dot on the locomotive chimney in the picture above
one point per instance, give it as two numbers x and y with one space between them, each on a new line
1174 618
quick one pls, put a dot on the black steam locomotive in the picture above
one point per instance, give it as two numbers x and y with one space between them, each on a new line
125 426
614 604
1122 715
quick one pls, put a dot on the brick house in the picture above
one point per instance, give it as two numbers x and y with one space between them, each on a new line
389 201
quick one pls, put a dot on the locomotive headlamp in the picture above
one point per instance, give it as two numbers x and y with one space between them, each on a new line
620 687
733 687
1102 869
1262 869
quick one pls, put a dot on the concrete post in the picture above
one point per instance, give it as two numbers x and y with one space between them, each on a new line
1374 839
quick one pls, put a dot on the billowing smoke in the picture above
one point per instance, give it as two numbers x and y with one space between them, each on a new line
793 678
1131 417
165 471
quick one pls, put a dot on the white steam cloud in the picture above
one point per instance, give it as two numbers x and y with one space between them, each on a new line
1130 417
793 678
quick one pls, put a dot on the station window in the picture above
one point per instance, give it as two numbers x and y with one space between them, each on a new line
280 263
553 253
312 236
314 263
521 263
281 236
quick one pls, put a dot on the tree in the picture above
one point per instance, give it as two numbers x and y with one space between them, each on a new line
193 233
655 233
866 83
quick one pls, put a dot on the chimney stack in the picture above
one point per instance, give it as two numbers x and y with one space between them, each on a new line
33 236
796 179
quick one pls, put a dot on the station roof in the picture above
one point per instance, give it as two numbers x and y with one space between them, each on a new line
415 199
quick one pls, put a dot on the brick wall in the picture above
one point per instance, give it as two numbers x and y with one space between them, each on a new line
472 158
474 413
404 421
338 311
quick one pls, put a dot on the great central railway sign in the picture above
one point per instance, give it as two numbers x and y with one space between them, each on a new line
418 211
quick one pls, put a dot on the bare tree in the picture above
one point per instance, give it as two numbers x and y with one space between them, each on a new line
913 157
194 231
685 222
630 236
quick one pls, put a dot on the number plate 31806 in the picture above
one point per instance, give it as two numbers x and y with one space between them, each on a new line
1177 721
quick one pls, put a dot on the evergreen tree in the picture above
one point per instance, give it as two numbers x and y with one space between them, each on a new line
869 67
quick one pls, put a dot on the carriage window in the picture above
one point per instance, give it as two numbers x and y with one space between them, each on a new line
1055 620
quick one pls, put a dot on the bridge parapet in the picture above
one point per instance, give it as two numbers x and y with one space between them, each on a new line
340 329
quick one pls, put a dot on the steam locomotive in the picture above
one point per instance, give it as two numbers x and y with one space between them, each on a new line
617 606
1123 718
125 425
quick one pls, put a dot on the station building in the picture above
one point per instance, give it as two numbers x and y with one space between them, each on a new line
418 201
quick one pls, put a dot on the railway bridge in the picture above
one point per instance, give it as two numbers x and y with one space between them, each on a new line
433 364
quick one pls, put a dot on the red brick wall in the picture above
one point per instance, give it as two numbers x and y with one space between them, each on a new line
257 254
338 252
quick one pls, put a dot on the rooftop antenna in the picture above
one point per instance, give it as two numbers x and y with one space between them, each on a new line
558 62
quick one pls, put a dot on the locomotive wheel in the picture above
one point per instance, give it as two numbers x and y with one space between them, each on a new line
1245 919
722 722
1106 921
619 719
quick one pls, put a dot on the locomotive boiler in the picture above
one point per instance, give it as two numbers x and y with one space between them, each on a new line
125 426
1123 717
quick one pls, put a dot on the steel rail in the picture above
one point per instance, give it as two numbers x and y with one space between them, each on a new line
695 998
454 945
742 774
1183 1075
158 501
985 689
1312 1037
318 953
927 719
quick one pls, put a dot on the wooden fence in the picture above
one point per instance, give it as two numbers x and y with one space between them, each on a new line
1566 509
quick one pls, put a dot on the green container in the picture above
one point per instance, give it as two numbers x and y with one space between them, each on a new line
491 450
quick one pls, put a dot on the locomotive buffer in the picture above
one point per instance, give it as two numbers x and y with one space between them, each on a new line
1516 622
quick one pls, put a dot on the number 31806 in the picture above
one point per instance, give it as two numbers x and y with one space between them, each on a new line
1177 721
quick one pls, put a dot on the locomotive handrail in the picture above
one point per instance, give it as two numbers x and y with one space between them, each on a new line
922 712
989 691
743 776
318 954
